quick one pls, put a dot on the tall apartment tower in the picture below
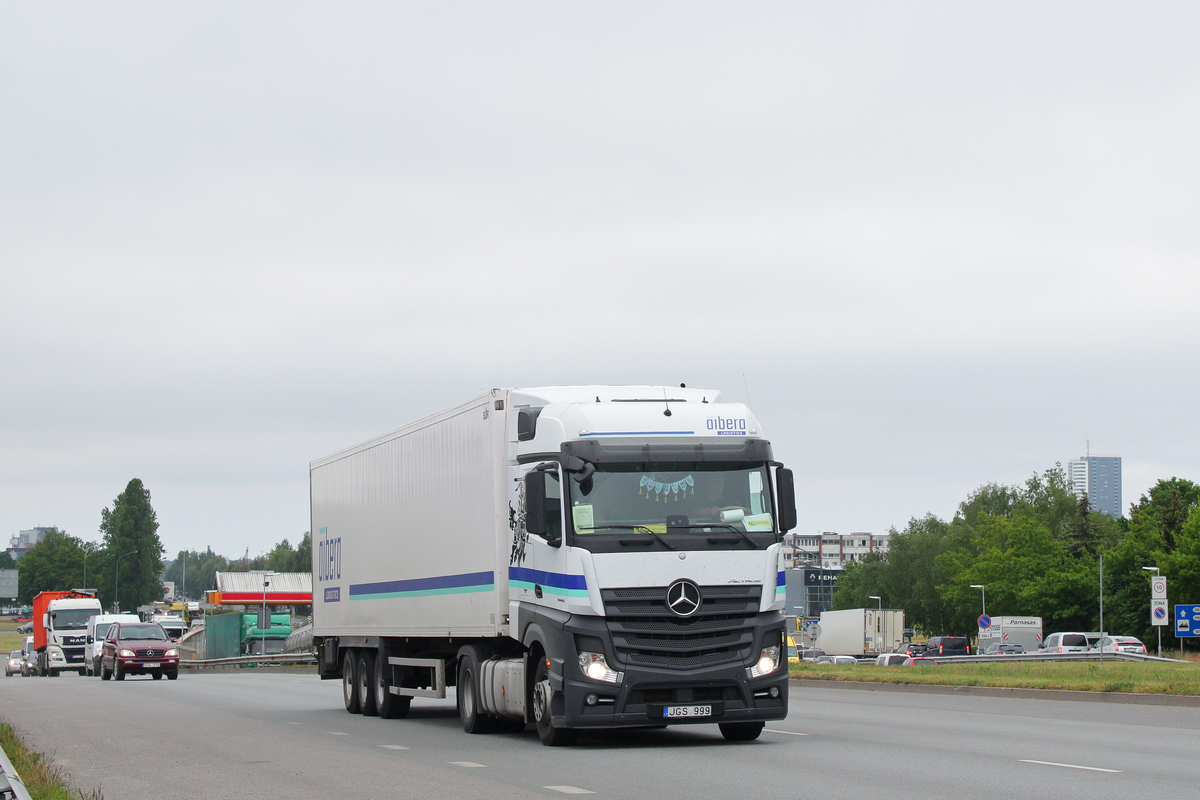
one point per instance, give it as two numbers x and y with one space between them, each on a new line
1100 478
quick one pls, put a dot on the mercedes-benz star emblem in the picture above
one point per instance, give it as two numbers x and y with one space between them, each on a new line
683 598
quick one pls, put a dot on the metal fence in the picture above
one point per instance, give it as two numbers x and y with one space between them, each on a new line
276 659
11 785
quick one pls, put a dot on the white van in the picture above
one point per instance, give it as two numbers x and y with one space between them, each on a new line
1066 642
97 629
28 658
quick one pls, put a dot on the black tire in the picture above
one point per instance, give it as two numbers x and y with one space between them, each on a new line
157 676
389 706
543 709
364 678
118 673
105 672
96 668
469 711
741 731
349 685
53 673
173 675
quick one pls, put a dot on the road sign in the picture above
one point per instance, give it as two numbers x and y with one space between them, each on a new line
1158 612
985 622
8 583
1158 587
1187 622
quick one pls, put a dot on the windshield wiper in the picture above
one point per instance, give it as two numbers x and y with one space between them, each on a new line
635 529
722 526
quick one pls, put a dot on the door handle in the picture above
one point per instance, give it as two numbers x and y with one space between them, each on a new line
537 591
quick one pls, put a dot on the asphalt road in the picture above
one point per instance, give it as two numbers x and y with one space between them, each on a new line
253 734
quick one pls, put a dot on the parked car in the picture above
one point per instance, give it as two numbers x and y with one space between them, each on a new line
947 646
1003 649
1065 642
1119 644
26 628
13 665
138 648
892 660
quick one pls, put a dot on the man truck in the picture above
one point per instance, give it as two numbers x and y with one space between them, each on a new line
571 557
60 629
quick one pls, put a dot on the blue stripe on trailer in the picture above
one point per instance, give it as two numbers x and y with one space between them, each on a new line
551 582
424 587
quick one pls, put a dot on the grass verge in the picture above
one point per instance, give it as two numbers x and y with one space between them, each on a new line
1112 676
42 778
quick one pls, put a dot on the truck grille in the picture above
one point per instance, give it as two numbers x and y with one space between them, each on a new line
645 632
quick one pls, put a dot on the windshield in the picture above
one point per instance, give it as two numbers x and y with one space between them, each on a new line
102 629
72 619
674 506
145 633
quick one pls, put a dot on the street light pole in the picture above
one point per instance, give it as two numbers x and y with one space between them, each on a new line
983 595
117 581
1156 627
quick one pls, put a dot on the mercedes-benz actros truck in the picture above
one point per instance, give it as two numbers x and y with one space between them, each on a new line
572 557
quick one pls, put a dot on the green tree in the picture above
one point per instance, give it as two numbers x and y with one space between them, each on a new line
130 531
53 564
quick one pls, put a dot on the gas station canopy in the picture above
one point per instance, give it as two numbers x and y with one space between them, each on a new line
246 588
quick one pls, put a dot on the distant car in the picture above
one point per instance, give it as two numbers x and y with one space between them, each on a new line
1119 644
26 628
911 648
920 662
13 665
138 648
892 660
1003 649
811 654
1065 642
851 660
947 646
29 664
793 655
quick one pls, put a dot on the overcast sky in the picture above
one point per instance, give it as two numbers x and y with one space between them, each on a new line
933 245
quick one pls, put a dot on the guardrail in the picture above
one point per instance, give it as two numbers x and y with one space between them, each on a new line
11 785
267 660
1050 657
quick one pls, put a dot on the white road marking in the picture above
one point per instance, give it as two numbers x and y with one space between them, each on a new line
789 733
1070 766
337 733
392 747
295 723
465 764
568 789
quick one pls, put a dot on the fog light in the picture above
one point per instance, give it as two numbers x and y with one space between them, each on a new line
768 662
774 692
591 699
596 667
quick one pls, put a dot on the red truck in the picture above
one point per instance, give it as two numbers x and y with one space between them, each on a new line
60 629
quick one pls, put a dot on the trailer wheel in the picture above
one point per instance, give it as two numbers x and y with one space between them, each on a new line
364 678
349 694
390 706
543 705
741 731
472 716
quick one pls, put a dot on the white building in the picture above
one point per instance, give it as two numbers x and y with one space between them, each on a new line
830 550
1099 477
24 541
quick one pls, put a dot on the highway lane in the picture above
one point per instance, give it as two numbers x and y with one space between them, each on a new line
252 734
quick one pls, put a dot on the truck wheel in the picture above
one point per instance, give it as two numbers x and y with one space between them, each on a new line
349 689
741 731
390 706
469 711
364 675
543 696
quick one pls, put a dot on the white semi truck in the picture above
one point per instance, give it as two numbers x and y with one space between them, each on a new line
861 632
572 557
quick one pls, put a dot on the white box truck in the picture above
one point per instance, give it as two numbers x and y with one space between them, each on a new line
861 632
572 557
1025 631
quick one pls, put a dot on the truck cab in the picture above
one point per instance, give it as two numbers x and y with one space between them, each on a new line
60 630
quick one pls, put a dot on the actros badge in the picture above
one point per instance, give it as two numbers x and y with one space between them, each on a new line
683 598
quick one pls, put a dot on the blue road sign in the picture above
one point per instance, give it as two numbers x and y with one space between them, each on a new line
1160 613
984 621
1187 622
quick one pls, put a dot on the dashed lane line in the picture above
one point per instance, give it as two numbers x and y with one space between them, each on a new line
337 733
568 789
393 747
466 764
1069 766
789 733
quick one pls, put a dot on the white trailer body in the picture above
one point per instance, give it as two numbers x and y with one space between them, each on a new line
552 552
1025 631
861 632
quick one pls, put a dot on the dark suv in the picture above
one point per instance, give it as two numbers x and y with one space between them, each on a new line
947 646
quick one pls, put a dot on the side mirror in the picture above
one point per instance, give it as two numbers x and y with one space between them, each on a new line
89 639
786 485
45 620
535 503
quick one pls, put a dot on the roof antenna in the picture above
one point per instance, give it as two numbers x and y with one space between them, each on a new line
747 387
666 413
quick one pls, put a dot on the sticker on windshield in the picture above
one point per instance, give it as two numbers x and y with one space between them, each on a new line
585 520
664 491
758 522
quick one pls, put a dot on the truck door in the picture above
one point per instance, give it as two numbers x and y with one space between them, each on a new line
538 562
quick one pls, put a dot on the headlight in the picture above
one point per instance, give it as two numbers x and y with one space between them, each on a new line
595 667
171 654
768 662
126 654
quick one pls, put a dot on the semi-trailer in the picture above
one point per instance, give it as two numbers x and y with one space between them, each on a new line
861 632
571 557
